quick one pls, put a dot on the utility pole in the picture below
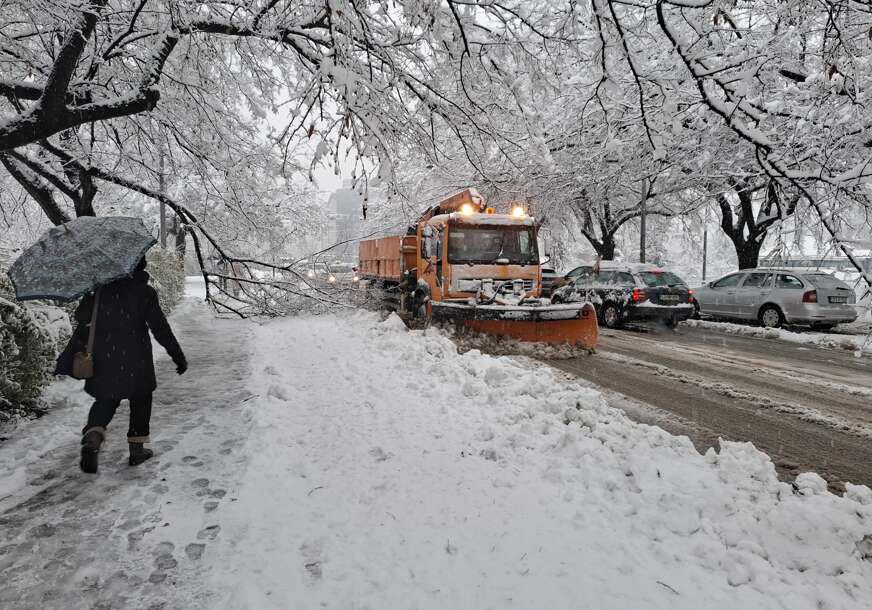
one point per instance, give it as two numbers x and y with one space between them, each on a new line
163 206
643 219
705 215
704 249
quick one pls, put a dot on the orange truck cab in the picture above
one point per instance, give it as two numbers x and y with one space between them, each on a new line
466 251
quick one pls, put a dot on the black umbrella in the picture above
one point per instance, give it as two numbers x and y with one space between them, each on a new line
78 256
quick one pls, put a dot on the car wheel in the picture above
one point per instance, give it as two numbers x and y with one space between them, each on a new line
556 298
771 317
696 315
611 315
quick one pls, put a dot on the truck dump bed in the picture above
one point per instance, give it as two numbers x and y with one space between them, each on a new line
383 258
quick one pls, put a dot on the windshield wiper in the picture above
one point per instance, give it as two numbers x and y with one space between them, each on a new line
502 245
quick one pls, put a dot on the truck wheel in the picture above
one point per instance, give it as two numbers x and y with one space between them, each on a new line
771 317
611 315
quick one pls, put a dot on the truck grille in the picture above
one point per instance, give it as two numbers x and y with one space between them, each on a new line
507 286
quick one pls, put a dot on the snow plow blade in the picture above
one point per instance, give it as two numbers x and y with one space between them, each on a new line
574 324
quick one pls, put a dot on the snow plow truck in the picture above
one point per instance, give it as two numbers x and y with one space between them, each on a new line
463 262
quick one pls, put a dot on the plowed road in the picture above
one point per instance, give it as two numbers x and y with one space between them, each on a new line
809 408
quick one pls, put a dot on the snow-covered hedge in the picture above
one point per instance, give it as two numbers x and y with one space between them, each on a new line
30 338
167 272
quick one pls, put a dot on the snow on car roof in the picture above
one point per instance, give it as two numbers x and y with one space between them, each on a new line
634 267
794 270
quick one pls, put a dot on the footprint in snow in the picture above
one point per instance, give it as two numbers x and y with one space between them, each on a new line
43 531
165 445
209 532
195 550
379 454
312 561
164 548
278 392
134 537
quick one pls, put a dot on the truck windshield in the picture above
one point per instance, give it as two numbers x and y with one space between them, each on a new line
484 245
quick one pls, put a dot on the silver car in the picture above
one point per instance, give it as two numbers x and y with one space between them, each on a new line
776 297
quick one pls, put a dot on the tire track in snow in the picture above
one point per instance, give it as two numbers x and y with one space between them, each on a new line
809 408
802 412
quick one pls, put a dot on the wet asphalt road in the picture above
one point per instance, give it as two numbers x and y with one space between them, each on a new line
809 408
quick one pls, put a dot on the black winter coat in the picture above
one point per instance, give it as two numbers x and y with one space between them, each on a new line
123 363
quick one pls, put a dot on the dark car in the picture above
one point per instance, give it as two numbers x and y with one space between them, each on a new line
551 281
627 292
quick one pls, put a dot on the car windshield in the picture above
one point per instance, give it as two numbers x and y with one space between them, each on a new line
580 273
484 245
825 280
654 279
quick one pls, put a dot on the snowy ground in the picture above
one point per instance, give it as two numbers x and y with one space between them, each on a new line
390 472
345 462
859 341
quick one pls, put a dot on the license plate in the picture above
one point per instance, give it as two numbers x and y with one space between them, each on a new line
838 299
671 298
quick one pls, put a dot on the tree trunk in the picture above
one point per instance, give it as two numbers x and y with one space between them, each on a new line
179 233
606 248
87 191
748 252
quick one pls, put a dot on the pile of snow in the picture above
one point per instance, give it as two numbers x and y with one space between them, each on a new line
859 343
390 471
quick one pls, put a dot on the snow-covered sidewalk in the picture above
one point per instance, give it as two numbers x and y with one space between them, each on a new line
128 537
388 471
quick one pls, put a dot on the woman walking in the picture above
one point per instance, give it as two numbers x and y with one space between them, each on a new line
126 310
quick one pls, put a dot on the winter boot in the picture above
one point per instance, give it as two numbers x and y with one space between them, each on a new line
91 441
138 454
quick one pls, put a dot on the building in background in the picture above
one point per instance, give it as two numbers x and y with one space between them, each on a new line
345 210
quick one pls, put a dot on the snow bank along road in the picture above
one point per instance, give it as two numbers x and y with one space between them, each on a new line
810 408
348 463
389 471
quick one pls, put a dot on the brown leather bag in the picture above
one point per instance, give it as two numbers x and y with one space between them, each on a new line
83 362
